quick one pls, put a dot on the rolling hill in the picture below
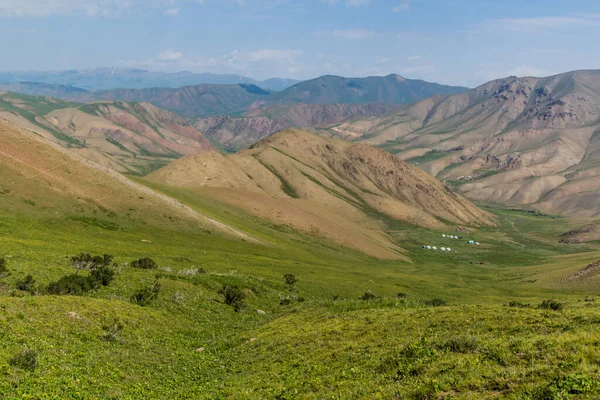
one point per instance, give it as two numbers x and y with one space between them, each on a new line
40 178
524 141
207 100
329 188
132 138
391 89
236 133
130 78
189 101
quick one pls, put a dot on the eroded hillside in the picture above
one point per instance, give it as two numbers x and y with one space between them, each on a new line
346 193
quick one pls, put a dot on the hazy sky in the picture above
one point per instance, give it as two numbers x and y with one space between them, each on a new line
462 42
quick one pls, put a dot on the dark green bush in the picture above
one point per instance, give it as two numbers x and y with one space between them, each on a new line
368 296
26 284
233 296
4 272
550 305
144 263
290 279
26 359
146 295
87 262
78 285
436 302
102 276
402 295
75 285
517 304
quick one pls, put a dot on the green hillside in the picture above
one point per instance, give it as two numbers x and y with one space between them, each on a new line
317 338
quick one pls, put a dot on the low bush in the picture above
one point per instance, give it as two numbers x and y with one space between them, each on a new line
368 296
550 305
111 330
26 359
290 279
144 263
26 284
517 304
4 272
87 262
147 295
78 285
233 296
436 302
461 344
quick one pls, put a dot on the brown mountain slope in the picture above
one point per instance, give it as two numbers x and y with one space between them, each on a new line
128 137
528 141
42 178
238 132
327 187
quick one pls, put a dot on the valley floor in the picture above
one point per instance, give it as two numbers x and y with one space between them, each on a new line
439 327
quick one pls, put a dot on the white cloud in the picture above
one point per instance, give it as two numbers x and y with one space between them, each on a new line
173 11
273 55
528 70
414 58
353 33
263 62
357 3
350 3
383 60
401 7
534 24
169 55
93 8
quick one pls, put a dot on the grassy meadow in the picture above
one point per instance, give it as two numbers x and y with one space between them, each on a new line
440 327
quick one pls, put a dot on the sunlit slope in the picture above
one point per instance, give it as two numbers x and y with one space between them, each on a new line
347 193
133 138
516 140
40 178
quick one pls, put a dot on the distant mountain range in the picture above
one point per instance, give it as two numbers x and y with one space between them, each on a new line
112 78
201 101
524 141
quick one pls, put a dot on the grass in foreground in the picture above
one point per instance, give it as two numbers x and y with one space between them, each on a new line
316 338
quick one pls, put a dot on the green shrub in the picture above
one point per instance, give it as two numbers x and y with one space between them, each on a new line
75 285
78 285
111 330
233 296
26 284
461 344
26 359
436 302
144 263
517 304
401 295
87 262
290 279
147 295
102 276
550 305
4 272
368 296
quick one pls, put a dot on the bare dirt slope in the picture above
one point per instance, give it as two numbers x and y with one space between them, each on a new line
528 141
238 132
343 192
39 177
128 137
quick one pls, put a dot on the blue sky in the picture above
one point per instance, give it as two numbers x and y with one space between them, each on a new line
461 42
